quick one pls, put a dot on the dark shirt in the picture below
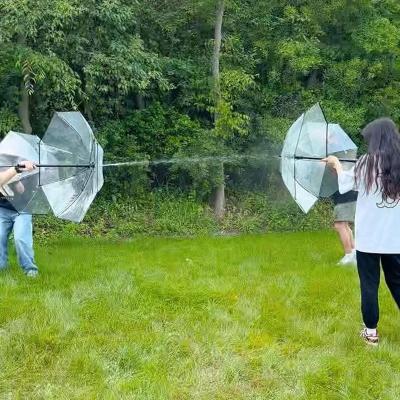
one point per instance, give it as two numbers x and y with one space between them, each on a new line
348 197
4 203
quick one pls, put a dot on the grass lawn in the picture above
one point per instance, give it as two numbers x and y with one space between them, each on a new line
253 317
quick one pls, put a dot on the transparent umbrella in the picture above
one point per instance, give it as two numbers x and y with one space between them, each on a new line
71 189
309 140
69 173
24 191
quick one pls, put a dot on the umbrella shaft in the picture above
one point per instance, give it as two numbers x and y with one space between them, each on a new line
319 159
53 166
65 165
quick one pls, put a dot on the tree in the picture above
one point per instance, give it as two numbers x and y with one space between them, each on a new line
28 36
219 191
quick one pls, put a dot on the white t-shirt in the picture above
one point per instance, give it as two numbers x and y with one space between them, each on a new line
377 223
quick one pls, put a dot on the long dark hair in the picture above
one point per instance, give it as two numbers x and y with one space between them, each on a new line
380 167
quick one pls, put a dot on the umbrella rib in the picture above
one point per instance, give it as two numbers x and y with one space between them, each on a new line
78 197
327 129
295 149
39 162
97 168
64 179
30 201
72 127
58 149
47 184
307 190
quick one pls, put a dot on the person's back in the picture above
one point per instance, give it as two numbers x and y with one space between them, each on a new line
376 177
377 222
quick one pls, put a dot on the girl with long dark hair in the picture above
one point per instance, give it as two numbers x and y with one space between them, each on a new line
376 177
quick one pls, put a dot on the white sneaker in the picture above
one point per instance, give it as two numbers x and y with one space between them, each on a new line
348 259
372 339
354 253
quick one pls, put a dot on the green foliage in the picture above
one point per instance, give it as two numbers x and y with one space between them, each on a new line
303 57
110 59
127 68
229 122
378 35
59 84
350 120
156 131
178 214
141 73
8 121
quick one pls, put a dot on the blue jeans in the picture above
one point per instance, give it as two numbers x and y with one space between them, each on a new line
22 226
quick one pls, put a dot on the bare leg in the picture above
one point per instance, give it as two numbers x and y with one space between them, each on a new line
353 246
345 235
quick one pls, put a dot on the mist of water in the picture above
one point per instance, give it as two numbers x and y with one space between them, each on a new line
191 160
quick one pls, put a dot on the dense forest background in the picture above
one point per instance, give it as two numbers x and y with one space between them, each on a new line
175 79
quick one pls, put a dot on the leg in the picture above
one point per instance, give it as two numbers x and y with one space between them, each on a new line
351 236
345 235
391 269
24 242
6 224
368 266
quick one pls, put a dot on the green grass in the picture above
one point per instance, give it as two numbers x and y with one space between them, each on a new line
253 317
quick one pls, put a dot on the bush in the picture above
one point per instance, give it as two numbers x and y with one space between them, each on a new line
168 213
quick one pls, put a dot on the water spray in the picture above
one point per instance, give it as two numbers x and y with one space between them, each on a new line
187 160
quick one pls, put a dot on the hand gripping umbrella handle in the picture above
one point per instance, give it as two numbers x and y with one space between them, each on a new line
54 165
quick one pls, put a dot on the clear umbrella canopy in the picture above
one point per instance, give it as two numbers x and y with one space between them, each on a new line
24 191
70 140
70 172
309 140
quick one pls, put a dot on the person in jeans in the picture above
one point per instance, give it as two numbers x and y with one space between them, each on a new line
344 211
376 177
20 224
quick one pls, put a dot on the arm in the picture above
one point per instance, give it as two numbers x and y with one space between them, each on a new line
10 173
19 187
346 179
7 175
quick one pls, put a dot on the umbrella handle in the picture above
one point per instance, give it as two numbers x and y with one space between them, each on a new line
19 168
56 165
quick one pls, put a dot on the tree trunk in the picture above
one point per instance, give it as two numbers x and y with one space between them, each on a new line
217 52
312 79
23 106
88 110
218 198
219 191
23 110
140 104
140 101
